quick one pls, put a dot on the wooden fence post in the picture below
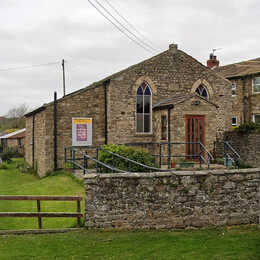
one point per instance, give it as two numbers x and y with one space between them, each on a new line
79 211
39 210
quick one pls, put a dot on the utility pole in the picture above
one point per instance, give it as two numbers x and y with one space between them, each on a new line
63 74
55 158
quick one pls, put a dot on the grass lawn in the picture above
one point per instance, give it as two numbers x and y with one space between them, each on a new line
13 182
237 243
226 243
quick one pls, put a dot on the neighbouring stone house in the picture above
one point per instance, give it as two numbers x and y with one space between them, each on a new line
168 97
245 79
14 140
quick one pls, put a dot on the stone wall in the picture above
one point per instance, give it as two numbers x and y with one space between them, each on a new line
245 103
247 145
178 130
12 143
168 74
87 104
167 200
40 161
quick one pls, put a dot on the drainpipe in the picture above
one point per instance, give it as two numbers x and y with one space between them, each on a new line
106 84
169 135
55 132
244 100
33 123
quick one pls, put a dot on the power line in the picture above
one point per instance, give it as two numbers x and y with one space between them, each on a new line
122 31
32 66
130 24
136 37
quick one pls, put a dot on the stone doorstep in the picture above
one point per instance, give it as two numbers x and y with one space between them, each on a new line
38 231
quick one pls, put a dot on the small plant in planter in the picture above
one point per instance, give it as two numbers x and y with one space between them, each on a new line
186 164
173 164
219 160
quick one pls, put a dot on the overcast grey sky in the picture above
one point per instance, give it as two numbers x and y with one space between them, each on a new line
46 31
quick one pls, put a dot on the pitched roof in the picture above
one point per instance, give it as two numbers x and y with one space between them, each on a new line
100 82
16 134
174 100
240 69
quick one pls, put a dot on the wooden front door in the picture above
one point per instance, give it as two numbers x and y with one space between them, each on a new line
195 131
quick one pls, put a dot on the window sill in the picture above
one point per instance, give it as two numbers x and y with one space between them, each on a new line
143 135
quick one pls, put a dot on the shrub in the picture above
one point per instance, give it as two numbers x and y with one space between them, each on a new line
248 128
25 168
3 166
243 165
9 154
135 154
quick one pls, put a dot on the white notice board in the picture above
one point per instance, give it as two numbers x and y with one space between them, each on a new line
81 131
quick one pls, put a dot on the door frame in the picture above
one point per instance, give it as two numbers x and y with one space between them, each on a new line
187 117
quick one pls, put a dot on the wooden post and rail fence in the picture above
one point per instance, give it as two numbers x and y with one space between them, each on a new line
40 214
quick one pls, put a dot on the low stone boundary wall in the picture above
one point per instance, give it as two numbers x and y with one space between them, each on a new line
167 200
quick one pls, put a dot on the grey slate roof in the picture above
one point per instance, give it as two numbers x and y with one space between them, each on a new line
240 69
174 100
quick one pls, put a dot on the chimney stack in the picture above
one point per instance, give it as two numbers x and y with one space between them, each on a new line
212 62
173 48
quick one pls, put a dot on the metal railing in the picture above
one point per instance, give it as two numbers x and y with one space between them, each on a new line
201 156
85 159
231 154
82 162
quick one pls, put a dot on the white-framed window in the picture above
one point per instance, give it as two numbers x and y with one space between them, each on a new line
256 85
234 89
256 118
144 109
202 91
234 121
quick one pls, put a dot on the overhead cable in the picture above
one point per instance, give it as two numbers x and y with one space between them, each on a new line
32 66
120 29
130 24
133 34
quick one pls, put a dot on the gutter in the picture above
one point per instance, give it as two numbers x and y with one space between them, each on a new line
35 111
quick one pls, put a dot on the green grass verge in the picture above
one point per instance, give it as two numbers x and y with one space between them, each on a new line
242 243
13 182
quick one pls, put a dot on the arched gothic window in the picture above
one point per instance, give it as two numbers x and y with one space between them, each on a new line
143 108
202 91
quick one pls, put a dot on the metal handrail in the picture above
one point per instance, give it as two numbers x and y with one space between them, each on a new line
232 149
77 164
228 147
73 161
105 165
206 150
134 162
150 168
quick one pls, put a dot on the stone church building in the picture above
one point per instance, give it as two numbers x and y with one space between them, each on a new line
169 97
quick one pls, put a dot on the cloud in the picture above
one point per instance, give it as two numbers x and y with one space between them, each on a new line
43 31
